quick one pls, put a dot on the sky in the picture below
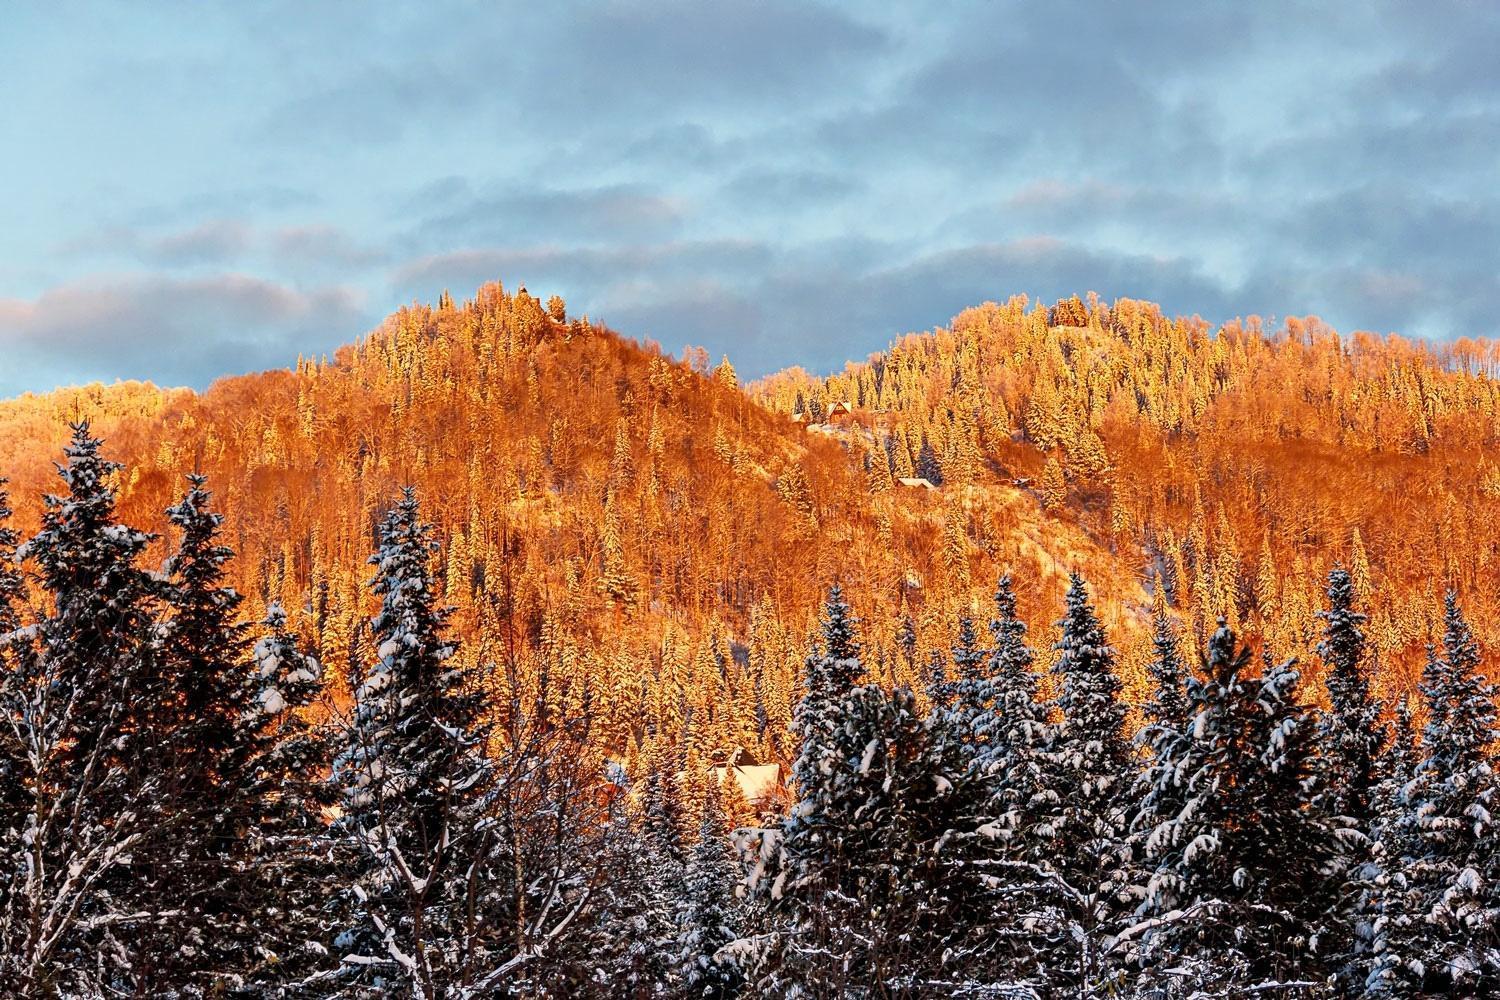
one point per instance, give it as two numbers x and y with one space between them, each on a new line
193 190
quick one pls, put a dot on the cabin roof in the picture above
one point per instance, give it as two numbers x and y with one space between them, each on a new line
757 781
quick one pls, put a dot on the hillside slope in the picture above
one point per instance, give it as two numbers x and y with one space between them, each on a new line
612 520
1238 465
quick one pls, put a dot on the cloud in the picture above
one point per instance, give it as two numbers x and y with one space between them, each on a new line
169 330
223 242
684 53
795 182
587 64
779 186
325 246
611 210
215 242
581 268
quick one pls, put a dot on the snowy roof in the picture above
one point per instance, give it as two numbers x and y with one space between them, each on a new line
916 482
757 781
740 757
842 406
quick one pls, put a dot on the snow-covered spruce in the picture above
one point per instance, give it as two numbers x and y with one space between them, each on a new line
1438 918
413 776
1238 860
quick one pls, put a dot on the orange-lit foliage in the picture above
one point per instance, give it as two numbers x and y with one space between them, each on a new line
607 512
1239 463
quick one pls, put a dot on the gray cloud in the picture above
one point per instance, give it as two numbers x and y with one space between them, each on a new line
793 183
214 242
587 64
585 267
761 187
613 210
169 330
322 246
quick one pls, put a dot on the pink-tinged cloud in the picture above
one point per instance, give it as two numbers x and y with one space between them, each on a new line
170 330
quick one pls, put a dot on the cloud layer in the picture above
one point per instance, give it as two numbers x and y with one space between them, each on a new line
200 191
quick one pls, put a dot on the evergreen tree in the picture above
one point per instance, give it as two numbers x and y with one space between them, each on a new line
84 788
663 816
1168 705
939 687
1240 887
12 582
863 906
1350 733
1349 736
14 791
1386 926
1167 737
1012 737
831 672
810 840
1439 920
927 466
989 857
284 835
1089 768
725 376
1053 485
969 698
202 690
968 655
710 916
414 779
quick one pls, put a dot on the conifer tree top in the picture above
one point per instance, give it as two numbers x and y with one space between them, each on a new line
836 667
1083 646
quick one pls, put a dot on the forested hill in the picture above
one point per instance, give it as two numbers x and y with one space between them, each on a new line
974 610
606 513
1240 464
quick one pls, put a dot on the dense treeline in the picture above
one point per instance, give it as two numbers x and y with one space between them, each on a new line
622 522
1243 461
191 806
609 517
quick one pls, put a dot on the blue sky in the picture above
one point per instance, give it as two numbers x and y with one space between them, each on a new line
202 189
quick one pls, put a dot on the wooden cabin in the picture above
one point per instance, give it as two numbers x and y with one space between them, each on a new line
759 782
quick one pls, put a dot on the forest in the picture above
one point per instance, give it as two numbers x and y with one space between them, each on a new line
431 676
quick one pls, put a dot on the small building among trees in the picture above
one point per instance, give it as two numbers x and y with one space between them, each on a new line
758 781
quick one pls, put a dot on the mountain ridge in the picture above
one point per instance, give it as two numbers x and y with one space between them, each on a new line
656 512
616 514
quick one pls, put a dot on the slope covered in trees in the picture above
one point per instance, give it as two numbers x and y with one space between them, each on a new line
427 684
1239 464
606 513
176 820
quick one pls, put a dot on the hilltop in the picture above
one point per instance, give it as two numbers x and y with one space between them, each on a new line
1237 466
608 514
602 505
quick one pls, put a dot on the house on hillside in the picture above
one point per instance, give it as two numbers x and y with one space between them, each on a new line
840 409
800 417
759 782
915 483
